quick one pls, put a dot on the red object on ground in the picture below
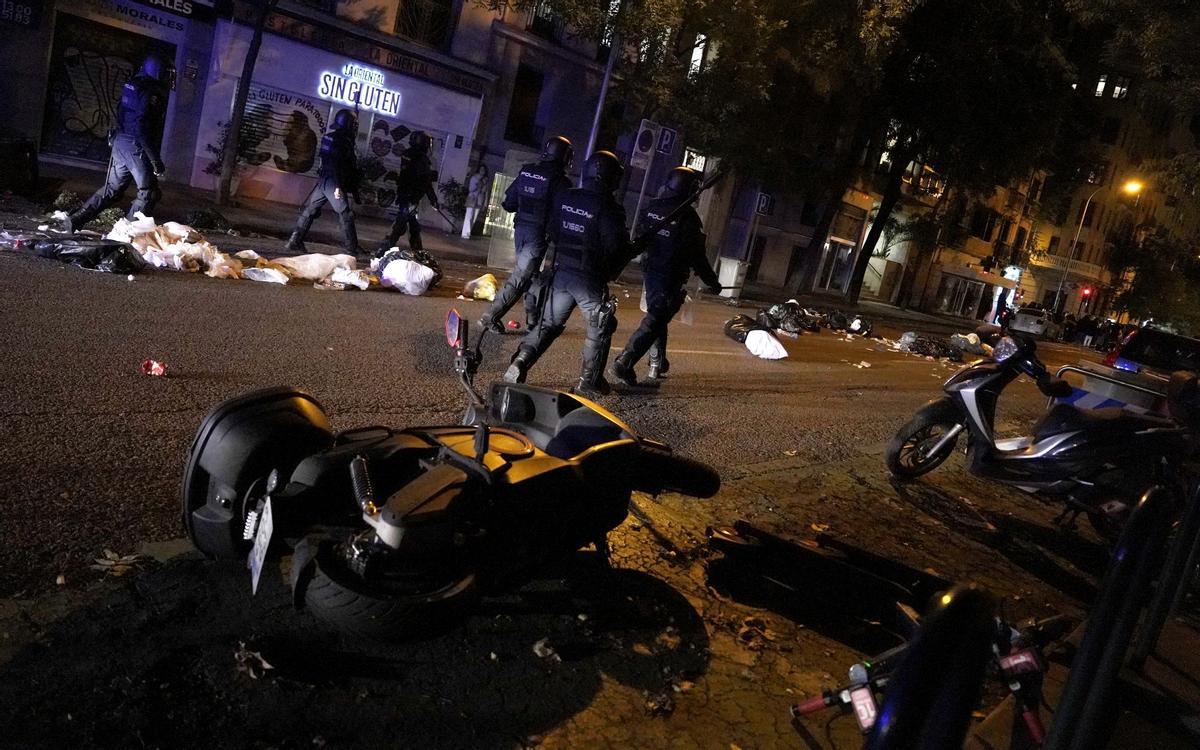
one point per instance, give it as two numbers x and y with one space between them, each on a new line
154 367
513 325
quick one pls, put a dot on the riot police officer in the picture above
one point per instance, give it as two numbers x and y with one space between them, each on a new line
532 196
414 181
135 143
589 244
337 180
674 252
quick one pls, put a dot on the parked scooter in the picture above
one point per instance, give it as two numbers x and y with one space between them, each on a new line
398 531
1097 461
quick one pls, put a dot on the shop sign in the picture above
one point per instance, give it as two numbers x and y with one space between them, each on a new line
25 13
359 86
196 9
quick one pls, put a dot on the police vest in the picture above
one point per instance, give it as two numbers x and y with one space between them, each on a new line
140 112
668 254
577 246
534 188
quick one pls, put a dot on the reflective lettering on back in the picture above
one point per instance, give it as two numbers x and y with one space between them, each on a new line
655 218
533 185
575 220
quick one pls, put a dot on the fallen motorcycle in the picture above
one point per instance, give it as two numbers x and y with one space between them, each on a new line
1097 461
398 531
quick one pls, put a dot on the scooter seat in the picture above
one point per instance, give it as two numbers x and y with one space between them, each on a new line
1066 418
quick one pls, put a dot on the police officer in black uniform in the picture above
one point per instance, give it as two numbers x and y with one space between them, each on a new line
414 181
673 254
135 143
532 197
337 180
589 244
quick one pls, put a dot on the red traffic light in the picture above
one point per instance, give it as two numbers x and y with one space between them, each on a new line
1087 291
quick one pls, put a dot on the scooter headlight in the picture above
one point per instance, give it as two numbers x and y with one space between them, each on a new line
1005 349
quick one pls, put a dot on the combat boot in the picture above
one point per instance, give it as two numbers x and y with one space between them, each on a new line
622 369
592 386
295 243
519 368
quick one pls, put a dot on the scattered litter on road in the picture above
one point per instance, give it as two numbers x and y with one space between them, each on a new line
820 528
543 651
154 367
116 565
400 270
61 580
268 275
247 255
95 255
754 633
660 704
250 663
861 365
791 453
512 325
482 288
757 338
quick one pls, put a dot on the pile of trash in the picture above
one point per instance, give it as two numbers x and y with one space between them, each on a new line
791 318
132 245
758 338
928 346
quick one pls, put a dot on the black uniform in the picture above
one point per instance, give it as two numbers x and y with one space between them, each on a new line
135 143
337 179
589 244
673 254
414 181
538 189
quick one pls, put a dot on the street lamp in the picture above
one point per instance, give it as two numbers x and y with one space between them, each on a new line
1131 187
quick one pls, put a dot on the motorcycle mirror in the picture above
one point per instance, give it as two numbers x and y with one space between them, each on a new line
452 334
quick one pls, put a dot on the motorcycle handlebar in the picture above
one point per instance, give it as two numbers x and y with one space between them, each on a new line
660 470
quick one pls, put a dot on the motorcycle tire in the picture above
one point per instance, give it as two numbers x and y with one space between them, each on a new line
922 427
339 598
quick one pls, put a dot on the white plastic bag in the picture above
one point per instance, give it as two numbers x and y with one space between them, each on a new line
765 346
314 266
269 275
483 288
348 277
407 276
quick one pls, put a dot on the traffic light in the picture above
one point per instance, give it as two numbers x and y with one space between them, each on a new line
1087 291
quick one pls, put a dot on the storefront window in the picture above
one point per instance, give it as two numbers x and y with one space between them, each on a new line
280 130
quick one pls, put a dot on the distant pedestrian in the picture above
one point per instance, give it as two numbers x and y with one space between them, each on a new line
477 195
135 143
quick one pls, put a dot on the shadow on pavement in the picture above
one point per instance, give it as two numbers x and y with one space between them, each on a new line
152 664
1025 544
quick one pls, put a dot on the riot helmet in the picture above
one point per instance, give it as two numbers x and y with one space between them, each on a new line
681 181
345 121
156 67
603 168
419 140
559 150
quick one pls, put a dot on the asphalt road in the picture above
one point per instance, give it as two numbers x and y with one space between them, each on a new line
91 459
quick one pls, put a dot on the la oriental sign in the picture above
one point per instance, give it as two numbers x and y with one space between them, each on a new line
359 86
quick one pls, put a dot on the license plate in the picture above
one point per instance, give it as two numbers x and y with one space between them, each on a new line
262 540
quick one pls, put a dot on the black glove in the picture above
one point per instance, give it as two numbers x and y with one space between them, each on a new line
160 170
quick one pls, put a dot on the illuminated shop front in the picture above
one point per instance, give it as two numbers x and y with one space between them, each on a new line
304 75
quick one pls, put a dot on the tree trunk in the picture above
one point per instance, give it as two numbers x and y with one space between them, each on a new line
891 196
844 173
241 95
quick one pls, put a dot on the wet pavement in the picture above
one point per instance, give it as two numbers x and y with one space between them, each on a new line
656 653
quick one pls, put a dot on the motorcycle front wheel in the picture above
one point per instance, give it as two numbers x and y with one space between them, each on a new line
909 454
337 596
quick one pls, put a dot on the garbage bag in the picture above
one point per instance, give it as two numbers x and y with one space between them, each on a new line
483 288
420 257
313 266
97 255
408 276
927 346
789 317
970 344
270 275
348 277
764 345
738 326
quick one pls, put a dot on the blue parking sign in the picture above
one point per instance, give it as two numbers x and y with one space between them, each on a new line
666 141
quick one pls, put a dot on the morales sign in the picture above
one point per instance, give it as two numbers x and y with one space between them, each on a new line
360 86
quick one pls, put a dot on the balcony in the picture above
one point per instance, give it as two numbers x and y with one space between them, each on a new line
1059 263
